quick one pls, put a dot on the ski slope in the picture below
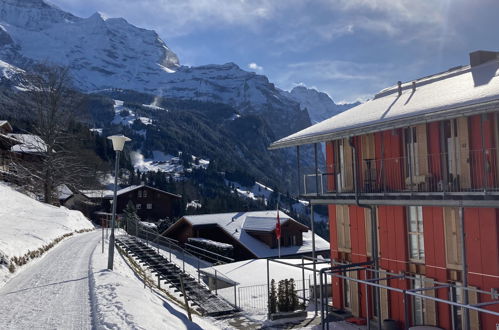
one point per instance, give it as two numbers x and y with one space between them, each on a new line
53 293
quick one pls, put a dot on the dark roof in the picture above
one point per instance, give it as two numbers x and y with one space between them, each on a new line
135 187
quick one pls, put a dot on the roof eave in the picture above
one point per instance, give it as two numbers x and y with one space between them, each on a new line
417 118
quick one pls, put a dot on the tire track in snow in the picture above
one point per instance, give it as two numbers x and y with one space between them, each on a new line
54 292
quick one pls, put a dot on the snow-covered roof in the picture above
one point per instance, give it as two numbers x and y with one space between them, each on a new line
233 223
459 91
97 193
261 223
31 143
135 187
63 191
5 126
211 242
254 271
8 140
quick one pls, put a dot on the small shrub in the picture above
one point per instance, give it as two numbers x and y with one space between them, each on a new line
12 267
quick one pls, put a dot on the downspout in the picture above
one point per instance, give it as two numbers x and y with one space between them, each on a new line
374 232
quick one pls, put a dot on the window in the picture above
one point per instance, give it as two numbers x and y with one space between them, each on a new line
149 206
411 152
144 193
418 303
139 194
416 233
138 206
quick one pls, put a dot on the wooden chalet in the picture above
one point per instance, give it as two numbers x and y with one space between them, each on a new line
252 234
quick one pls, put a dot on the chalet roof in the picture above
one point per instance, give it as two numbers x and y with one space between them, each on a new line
30 143
5 126
460 91
8 141
267 224
135 187
233 224
97 193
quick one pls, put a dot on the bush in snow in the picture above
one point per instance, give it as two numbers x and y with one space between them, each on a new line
12 267
286 295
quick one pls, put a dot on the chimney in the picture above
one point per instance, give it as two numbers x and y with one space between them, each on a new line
399 83
413 86
481 56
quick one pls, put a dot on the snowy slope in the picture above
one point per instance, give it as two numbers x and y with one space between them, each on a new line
123 303
28 224
319 105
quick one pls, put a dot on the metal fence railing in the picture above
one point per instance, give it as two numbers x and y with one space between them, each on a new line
469 171
254 298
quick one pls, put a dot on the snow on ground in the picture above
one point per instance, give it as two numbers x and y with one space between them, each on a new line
52 293
257 191
254 271
122 302
302 207
251 276
28 224
164 162
97 130
194 204
128 120
159 162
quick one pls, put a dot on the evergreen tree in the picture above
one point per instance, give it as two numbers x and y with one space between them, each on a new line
131 218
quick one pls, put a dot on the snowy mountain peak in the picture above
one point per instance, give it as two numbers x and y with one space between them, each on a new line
32 14
100 51
319 105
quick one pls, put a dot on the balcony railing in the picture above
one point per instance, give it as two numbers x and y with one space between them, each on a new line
473 172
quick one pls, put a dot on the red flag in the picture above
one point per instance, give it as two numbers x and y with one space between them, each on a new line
278 225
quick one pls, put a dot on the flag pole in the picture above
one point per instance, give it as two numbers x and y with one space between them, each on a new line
279 238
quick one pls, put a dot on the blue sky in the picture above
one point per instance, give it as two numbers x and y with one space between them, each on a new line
348 48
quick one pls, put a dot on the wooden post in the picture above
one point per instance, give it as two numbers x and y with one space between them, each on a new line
187 308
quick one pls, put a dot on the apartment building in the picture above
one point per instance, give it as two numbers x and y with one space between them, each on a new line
411 177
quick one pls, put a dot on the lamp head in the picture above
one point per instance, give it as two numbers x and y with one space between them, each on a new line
118 141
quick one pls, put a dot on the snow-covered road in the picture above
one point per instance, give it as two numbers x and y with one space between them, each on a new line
53 293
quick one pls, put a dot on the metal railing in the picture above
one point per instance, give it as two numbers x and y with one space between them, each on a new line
172 249
254 298
472 172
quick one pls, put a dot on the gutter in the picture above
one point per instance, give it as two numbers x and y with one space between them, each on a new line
374 232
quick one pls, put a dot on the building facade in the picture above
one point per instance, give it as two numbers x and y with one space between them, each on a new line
411 180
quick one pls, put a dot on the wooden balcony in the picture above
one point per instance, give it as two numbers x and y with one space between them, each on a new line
474 175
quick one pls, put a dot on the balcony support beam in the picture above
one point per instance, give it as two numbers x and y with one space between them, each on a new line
405 202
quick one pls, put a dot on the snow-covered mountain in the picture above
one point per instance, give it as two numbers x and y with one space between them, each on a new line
105 53
319 105
101 52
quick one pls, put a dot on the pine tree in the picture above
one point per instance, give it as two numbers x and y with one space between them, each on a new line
293 296
131 218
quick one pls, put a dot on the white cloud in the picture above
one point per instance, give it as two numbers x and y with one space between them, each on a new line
180 17
255 67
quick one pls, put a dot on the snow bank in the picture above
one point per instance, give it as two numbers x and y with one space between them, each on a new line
27 224
122 302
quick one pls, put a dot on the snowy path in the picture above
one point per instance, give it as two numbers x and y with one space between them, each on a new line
53 293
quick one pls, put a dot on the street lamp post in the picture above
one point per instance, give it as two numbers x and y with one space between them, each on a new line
118 143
